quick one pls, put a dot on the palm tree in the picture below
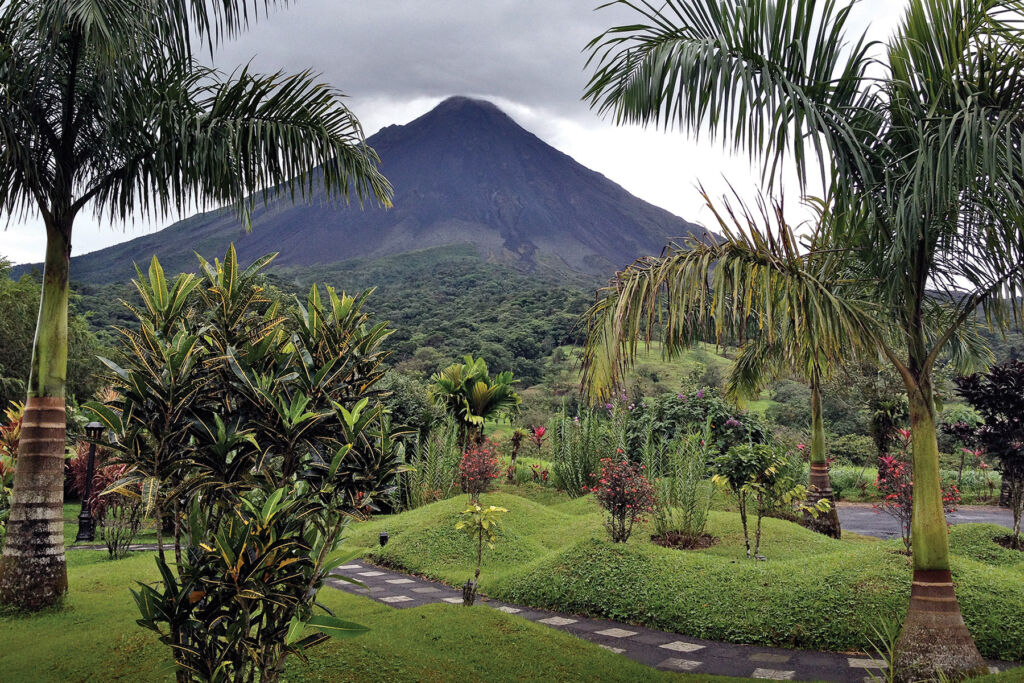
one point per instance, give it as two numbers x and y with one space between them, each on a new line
106 109
760 361
919 151
467 392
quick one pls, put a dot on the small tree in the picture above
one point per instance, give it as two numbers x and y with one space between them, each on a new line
760 472
998 396
256 434
467 392
625 494
516 442
481 524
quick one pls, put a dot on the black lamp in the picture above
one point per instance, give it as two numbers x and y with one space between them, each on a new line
86 525
384 538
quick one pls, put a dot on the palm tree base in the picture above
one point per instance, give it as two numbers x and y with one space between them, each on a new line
33 572
935 642
826 523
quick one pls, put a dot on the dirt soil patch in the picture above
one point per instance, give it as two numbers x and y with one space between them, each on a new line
681 542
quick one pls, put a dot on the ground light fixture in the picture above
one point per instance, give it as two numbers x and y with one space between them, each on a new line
384 537
86 524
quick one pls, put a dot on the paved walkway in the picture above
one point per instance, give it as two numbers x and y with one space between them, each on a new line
861 518
659 649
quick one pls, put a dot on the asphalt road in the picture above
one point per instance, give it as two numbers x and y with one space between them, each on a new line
862 519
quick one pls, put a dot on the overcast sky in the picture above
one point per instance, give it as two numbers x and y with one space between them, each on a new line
397 59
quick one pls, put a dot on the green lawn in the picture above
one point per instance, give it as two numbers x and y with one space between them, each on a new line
813 592
71 511
94 637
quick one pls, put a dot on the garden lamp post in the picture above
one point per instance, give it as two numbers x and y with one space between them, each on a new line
383 538
86 525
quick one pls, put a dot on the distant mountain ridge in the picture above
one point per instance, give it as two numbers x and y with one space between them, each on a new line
463 173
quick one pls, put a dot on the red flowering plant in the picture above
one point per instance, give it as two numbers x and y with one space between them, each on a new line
895 487
539 475
625 494
479 467
537 436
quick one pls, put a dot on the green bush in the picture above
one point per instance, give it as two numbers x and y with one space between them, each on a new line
662 419
254 431
852 449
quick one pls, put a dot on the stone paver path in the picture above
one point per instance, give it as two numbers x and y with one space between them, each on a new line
659 649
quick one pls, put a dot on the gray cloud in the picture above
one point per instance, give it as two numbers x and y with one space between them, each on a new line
527 51
395 59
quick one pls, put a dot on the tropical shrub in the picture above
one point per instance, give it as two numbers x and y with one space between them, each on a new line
762 473
478 468
467 392
576 445
432 465
10 435
481 524
684 490
408 402
670 416
255 431
515 442
537 436
998 397
851 449
625 494
895 487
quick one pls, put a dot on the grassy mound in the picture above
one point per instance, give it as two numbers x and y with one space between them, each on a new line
813 592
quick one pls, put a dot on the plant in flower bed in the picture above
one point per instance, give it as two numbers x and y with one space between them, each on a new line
576 443
516 442
479 468
481 524
895 486
255 432
433 460
117 513
625 494
684 494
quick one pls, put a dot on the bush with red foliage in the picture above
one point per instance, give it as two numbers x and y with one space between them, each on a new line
625 494
117 516
479 467
895 486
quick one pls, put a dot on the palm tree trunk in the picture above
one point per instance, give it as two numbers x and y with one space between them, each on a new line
33 573
820 482
934 639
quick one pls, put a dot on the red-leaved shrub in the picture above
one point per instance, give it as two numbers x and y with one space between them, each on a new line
625 493
479 467
895 486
